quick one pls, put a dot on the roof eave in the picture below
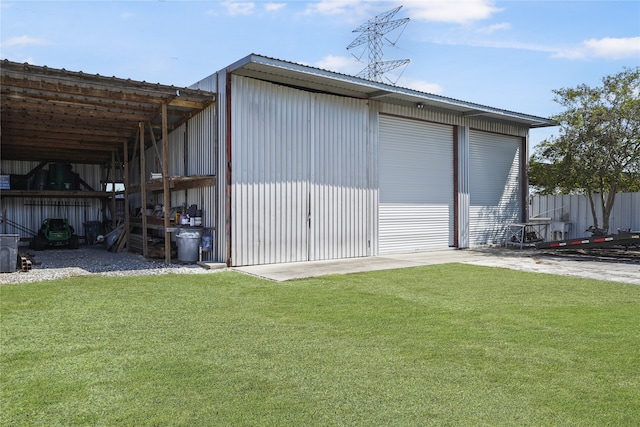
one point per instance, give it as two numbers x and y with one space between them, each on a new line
300 75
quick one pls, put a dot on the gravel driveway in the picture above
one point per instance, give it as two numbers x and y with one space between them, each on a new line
59 263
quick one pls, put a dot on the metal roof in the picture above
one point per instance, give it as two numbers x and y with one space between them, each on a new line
58 115
315 79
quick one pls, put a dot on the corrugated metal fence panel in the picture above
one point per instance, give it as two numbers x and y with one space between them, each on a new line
270 170
495 193
340 200
29 212
416 185
625 213
575 209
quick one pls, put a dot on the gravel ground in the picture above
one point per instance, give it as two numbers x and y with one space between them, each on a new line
54 264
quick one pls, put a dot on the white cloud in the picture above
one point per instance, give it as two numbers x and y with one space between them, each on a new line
274 7
420 85
606 48
495 27
235 8
331 7
340 64
458 12
22 41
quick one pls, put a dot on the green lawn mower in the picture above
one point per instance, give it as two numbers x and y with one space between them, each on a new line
55 232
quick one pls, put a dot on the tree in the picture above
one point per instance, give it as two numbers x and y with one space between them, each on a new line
598 149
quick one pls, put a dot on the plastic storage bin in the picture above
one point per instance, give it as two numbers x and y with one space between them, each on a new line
8 252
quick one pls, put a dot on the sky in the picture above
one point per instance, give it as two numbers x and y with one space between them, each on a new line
504 54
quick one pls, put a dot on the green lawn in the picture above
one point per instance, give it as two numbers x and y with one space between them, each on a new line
439 345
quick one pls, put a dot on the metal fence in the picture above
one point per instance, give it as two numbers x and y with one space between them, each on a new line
575 209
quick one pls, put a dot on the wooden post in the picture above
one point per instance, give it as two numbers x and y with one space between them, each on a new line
165 181
127 225
143 191
113 189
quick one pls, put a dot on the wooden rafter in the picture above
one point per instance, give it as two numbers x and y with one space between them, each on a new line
58 115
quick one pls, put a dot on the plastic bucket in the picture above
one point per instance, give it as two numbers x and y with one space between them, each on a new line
188 240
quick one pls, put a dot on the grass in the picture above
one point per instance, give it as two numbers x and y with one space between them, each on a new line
439 345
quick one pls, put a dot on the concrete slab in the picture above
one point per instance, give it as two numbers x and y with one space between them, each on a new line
614 268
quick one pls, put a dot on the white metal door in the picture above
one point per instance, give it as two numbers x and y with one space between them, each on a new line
270 173
340 199
416 185
300 175
494 186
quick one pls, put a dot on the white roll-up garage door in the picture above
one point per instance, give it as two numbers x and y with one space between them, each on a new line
494 186
416 185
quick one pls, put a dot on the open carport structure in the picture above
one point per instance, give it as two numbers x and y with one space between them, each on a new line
94 123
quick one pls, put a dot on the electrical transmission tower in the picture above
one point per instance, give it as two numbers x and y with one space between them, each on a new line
373 32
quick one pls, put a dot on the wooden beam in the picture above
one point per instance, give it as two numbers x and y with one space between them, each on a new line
187 104
143 192
127 220
113 189
165 178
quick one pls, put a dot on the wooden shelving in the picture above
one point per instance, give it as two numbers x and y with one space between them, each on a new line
177 183
56 194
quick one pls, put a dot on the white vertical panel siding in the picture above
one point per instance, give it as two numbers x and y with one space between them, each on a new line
221 132
200 132
463 187
270 169
373 177
339 178
495 185
454 119
177 152
300 175
416 185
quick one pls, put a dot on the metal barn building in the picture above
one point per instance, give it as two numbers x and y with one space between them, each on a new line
309 164
316 165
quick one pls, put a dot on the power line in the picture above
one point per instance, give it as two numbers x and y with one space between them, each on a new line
372 33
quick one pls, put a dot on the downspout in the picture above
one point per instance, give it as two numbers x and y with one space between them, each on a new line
228 172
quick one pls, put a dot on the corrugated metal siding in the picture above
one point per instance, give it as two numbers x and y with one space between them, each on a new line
340 200
495 193
576 210
222 238
29 212
270 172
416 185
178 152
300 186
463 195
438 116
